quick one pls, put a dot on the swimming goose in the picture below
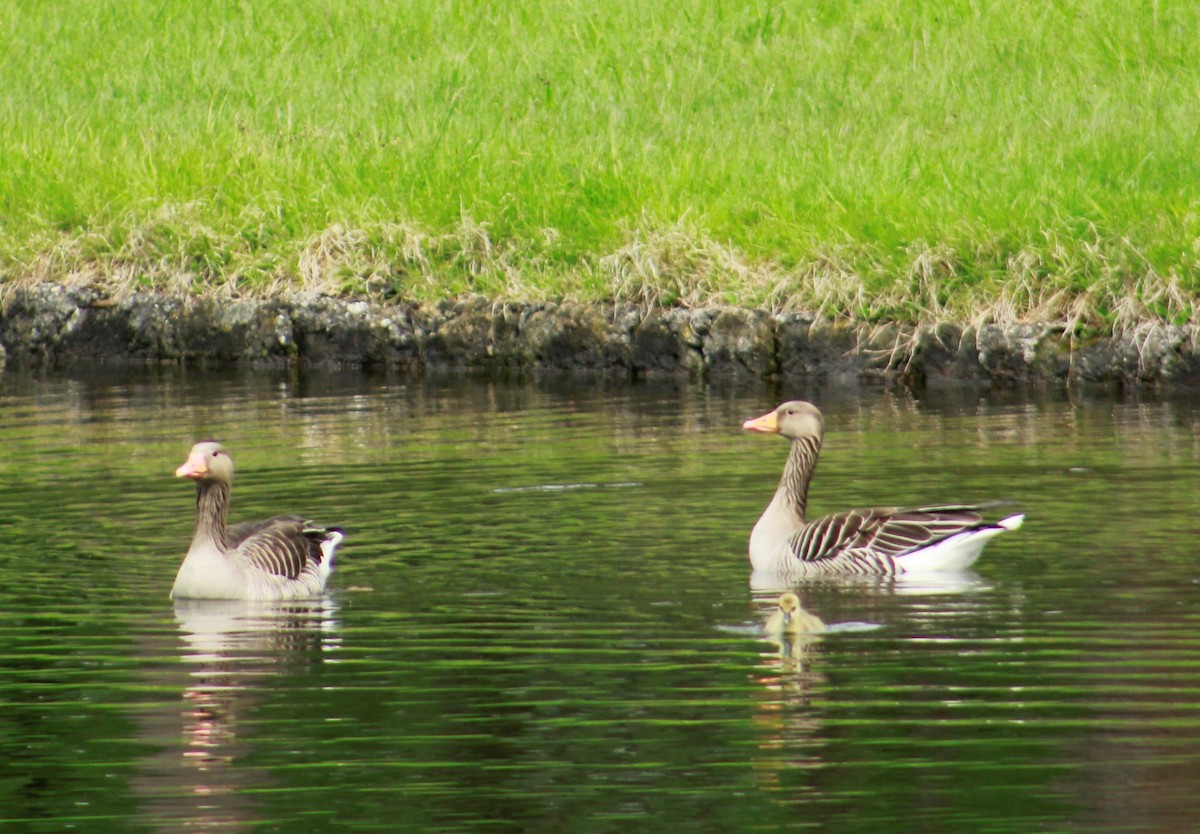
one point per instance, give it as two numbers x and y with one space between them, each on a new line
879 541
789 618
280 558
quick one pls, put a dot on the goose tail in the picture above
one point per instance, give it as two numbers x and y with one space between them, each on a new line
957 552
329 545
1013 522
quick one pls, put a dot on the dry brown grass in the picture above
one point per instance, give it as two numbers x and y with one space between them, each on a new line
681 266
1086 285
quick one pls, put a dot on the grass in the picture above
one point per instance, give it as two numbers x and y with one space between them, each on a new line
879 160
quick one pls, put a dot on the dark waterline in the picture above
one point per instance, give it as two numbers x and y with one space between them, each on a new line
542 618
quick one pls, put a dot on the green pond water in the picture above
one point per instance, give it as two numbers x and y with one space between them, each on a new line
542 618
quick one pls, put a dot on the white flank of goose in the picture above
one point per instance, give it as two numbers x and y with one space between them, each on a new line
880 541
286 557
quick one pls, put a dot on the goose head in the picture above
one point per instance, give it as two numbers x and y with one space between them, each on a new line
795 420
208 461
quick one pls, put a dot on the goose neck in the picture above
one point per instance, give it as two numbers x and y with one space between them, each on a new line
212 504
797 474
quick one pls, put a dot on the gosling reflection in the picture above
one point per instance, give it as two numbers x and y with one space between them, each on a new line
790 680
230 651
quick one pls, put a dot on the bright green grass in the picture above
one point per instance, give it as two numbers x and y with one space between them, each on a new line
879 158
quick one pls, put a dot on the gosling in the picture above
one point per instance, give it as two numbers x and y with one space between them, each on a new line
790 618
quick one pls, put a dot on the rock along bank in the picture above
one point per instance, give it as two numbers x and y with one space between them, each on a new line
53 324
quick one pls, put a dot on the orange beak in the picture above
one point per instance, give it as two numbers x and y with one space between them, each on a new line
194 467
766 424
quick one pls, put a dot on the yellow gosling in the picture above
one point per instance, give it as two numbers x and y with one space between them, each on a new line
789 618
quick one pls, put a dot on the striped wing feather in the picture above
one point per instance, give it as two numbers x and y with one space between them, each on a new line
282 546
884 532
235 534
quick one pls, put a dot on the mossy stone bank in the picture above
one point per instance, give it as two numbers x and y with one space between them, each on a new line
53 324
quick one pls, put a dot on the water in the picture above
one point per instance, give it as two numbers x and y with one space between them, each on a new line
543 617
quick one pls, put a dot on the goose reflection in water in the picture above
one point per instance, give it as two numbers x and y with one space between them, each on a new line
229 649
764 584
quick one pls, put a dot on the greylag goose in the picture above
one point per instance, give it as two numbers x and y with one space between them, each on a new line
789 618
879 541
280 558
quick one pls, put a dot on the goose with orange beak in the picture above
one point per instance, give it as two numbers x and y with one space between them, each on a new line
286 557
884 541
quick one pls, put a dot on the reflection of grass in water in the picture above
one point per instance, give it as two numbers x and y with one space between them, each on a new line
872 160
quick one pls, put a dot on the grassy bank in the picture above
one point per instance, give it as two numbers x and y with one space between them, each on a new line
911 160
